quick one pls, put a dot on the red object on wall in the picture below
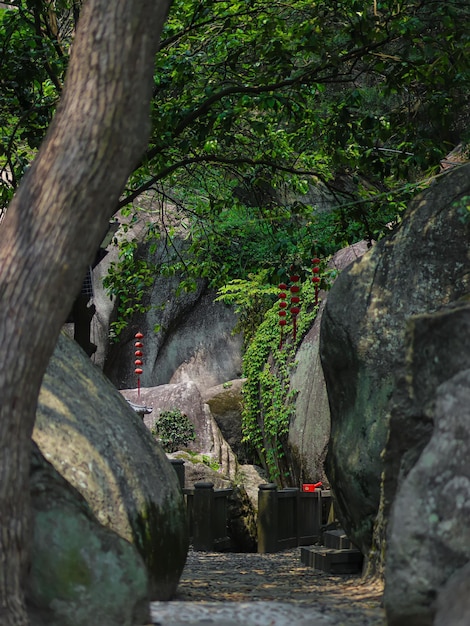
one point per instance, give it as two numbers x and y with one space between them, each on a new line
311 486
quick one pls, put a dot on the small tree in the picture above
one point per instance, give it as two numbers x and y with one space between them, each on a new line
174 430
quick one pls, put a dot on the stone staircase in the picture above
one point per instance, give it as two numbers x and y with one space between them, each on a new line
337 556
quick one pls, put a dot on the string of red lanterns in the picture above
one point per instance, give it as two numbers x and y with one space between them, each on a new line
138 353
294 289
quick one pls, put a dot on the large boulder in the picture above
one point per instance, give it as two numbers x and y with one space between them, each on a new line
420 268
187 398
453 602
81 572
309 427
226 404
428 537
196 344
194 340
92 437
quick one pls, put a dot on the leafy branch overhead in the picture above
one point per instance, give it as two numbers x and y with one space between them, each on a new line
262 111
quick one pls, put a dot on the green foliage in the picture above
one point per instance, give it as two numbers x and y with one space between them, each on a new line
257 104
128 281
174 430
268 399
251 299
34 44
463 207
206 459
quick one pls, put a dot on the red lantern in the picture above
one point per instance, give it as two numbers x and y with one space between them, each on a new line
138 361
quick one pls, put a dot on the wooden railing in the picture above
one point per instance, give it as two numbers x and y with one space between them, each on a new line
207 513
288 518
207 517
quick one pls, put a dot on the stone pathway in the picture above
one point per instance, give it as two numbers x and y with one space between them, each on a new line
233 589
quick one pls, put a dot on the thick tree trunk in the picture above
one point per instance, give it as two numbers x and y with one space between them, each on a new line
52 230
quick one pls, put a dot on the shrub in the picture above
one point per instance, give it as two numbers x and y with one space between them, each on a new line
174 430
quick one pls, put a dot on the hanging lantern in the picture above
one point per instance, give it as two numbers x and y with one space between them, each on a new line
138 353
282 306
315 278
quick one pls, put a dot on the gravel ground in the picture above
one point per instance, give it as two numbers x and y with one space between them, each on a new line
347 600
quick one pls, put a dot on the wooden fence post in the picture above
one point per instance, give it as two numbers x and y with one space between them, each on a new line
178 466
267 518
203 536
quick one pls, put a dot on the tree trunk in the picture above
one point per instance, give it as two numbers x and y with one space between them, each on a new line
52 230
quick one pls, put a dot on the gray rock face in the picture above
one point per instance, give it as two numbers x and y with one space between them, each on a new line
309 428
434 353
187 398
194 341
453 602
420 268
81 572
225 404
428 532
92 437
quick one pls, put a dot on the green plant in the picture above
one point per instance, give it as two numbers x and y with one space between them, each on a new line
210 462
174 430
268 399
204 458
251 299
463 208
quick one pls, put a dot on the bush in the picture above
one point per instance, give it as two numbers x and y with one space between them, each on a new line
174 430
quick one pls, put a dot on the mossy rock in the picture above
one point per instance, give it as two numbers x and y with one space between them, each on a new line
86 429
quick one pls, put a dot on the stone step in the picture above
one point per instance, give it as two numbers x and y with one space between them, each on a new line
337 539
348 561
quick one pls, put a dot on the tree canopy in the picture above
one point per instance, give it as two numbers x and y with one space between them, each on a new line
264 112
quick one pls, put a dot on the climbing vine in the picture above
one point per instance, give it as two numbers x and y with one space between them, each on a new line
268 398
